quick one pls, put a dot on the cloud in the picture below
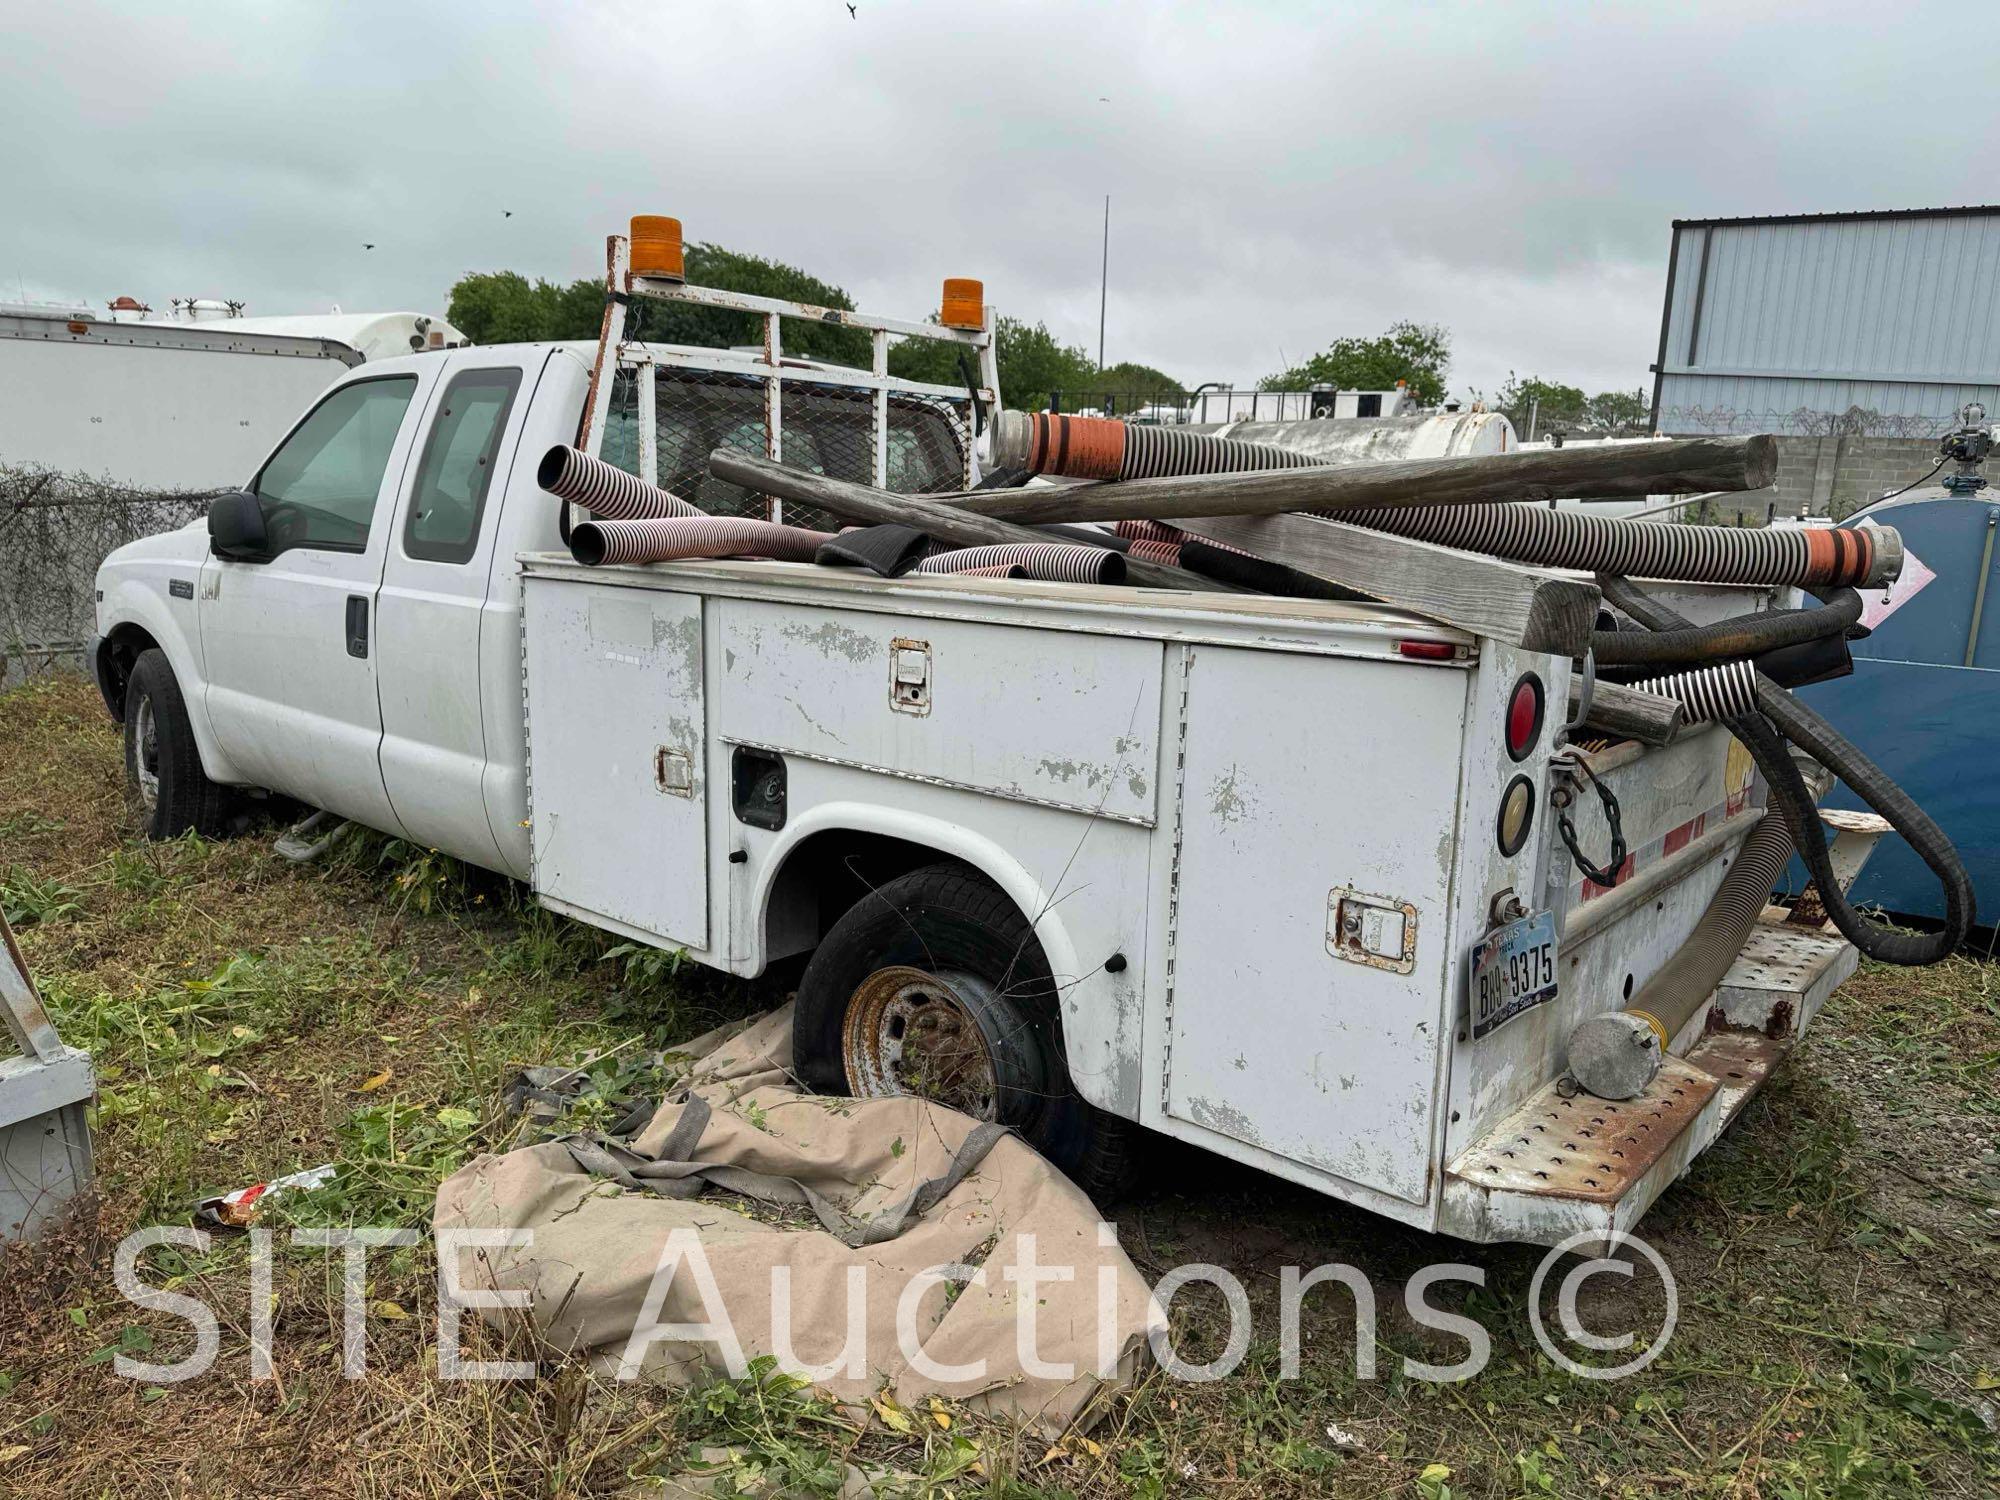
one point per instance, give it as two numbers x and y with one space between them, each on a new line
1279 175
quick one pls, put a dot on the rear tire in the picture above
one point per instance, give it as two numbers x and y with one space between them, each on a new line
167 790
941 958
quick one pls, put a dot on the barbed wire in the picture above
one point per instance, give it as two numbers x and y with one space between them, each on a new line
55 528
1803 421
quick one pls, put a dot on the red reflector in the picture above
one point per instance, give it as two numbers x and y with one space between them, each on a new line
1524 715
1427 650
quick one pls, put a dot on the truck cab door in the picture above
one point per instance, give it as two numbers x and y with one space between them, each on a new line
289 639
437 592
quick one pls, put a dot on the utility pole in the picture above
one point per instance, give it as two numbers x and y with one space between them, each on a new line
1104 282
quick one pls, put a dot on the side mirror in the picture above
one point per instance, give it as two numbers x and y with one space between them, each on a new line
236 526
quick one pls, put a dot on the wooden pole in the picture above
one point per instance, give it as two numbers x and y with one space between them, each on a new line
1628 713
1686 464
948 523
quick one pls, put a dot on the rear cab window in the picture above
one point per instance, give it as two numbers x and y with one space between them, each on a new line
827 429
449 497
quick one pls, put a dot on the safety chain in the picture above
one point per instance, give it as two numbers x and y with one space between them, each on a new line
1563 795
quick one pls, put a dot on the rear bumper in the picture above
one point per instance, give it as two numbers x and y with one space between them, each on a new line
1561 1166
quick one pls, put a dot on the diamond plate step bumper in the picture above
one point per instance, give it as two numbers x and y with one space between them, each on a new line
1561 1166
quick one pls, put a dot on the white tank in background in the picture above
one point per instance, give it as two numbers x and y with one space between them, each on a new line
1354 440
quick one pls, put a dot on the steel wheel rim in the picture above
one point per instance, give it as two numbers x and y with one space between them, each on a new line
146 762
911 1032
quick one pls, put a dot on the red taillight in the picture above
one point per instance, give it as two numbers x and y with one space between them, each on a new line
1428 650
1524 716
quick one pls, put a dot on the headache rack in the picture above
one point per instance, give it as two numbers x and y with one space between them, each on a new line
658 410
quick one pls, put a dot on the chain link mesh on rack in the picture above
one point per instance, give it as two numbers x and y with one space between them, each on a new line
54 530
827 428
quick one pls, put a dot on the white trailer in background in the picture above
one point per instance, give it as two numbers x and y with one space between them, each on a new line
183 403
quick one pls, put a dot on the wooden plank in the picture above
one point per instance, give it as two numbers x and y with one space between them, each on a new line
1522 606
1686 464
948 523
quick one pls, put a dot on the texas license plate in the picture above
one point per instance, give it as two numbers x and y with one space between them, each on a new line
1513 969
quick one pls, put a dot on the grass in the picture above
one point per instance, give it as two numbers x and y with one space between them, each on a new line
1836 1253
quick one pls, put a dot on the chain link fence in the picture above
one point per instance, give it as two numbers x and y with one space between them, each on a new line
829 429
55 529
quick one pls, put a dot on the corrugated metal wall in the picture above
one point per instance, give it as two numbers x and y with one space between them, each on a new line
1770 324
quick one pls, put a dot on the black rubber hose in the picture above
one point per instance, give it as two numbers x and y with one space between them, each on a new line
1865 779
1779 711
1744 635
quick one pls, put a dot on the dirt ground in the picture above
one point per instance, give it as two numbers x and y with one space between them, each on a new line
1838 1325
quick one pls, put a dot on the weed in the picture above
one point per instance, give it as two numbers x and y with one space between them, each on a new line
27 900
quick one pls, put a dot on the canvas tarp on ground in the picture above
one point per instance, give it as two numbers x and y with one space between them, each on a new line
907 1186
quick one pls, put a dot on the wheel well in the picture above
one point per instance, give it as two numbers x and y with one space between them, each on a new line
825 874
115 660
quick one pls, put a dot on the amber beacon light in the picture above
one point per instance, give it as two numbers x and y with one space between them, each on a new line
964 303
656 247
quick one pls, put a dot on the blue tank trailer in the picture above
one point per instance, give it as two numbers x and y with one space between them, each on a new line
1924 699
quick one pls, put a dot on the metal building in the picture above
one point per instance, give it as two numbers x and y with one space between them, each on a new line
1784 323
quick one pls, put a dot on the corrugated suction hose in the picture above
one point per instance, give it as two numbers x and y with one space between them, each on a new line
605 490
1110 449
1052 562
674 538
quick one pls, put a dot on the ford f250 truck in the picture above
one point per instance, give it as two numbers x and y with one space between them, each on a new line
1085 860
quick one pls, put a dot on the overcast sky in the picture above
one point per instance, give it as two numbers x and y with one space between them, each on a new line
1280 175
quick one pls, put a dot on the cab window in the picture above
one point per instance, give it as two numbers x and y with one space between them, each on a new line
457 467
319 489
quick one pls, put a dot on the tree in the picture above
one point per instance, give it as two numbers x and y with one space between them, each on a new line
1034 364
1551 406
1416 353
503 307
1621 411
1545 405
500 307
732 271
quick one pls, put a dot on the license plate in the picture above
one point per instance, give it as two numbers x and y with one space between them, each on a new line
1513 970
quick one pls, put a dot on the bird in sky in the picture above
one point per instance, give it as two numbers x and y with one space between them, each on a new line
851 15
367 247
506 213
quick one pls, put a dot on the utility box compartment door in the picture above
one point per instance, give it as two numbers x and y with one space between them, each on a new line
1317 824
617 776
1063 719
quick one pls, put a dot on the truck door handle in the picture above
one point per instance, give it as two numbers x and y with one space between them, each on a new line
357 624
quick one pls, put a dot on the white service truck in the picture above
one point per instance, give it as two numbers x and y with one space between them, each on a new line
1077 858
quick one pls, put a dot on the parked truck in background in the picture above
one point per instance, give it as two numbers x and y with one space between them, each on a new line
1089 861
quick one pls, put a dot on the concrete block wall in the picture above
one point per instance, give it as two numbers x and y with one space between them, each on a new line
1833 475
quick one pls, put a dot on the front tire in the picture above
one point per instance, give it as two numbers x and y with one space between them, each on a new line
166 789
935 985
